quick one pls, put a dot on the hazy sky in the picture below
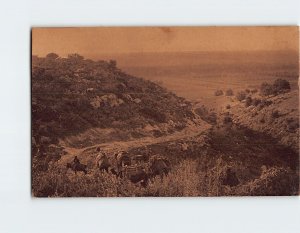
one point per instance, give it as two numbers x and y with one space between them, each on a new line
109 40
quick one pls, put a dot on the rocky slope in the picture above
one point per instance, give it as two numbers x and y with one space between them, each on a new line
279 118
78 103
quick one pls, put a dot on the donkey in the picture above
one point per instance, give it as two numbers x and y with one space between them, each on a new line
159 166
77 167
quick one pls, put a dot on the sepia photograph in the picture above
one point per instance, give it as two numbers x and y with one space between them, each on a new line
179 111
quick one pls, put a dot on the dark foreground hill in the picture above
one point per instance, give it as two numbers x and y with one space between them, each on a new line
73 95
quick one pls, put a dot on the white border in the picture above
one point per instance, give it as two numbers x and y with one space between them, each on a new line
20 213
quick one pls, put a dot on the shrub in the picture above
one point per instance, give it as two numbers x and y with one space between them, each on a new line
229 92
228 106
262 120
218 92
187 178
263 103
266 102
256 101
153 114
52 56
227 119
183 180
247 91
75 57
206 115
157 133
275 114
241 95
248 101
292 125
281 85
253 91
267 89
274 181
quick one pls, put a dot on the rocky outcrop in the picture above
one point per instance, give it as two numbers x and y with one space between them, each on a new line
106 100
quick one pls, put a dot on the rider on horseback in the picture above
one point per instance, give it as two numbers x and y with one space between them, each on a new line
102 161
77 166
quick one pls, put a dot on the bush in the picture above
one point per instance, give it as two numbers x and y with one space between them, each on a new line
292 125
229 92
248 101
52 56
212 118
253 91
206 115
153 114
267 89
262 120
256 101
218 92
228 106
275 114
227 119
264 103
281 85
274 181
183 180
187 178
241 95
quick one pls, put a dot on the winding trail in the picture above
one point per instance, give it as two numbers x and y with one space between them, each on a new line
194 128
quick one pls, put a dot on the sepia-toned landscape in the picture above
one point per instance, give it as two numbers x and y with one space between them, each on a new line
165 111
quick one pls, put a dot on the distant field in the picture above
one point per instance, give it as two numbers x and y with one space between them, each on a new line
197 76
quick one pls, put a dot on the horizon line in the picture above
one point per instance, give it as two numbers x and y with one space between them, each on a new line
169 52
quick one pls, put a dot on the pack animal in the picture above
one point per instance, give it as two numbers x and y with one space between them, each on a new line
77 167
102 161
159 166
135 174
122 160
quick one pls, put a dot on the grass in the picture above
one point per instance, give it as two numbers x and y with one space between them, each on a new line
190 177
183 180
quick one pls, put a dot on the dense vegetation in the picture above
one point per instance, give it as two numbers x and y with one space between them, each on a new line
279 86
230 160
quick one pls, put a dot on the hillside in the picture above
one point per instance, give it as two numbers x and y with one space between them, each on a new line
78 102
226 145
280 118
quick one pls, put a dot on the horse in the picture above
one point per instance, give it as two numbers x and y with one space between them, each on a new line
140 159
159 166
102 162
77 167
122 159
135 174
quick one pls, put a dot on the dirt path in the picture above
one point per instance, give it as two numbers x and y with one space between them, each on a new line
194 128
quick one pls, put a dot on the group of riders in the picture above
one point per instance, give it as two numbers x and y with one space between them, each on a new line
135 168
